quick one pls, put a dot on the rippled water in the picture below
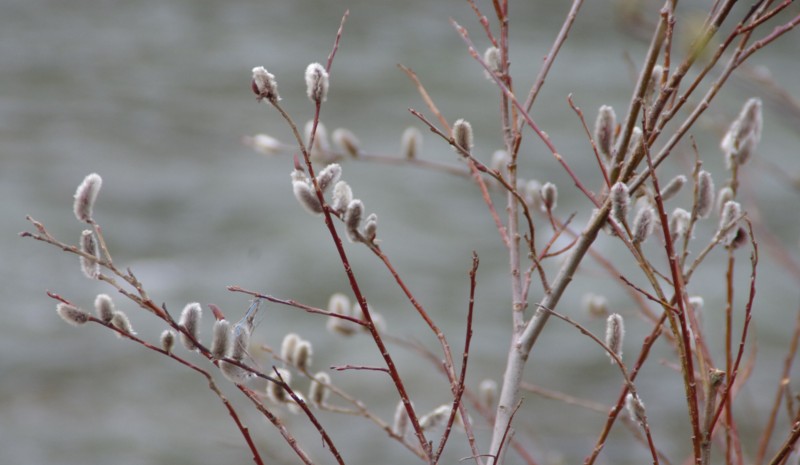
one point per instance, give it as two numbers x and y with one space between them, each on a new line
155 97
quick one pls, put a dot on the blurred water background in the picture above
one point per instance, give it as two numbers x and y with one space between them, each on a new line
154 96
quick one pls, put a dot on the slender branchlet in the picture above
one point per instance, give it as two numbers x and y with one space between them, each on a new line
604 129
596 305
352 220
88 245
400 423
321 150
121 322
264 85
104 307
339 304
724 196
371 228
346 141
462 135
549 195
643 224
342 196
615 334
705 194
500 161
85 197
190 322
303 352
265 144
304 193
220 337
411 143
275 392
317 83
679 223
744 134
72 314
329 176
318 391
377 320
620 200
635 408
673 187
533 195
487 392
288 346
168 340
493 60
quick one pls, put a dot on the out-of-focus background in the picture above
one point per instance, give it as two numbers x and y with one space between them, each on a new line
155 96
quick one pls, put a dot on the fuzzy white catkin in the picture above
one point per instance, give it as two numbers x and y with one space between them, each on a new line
288 345
400 423
346 141
317 83
411 143
705 194
730 212
304 193
86 196
744 134
121 322
500 161
264 85
604 128
533 195
673 187
549 196
190 322
492 59
88 245
487 391
679 223
104 307
725 194
596 305
371 228
72 314
275 391
265 144
318 391
339 304
240 344
635 408
234 373
342 196
303 352
462 135
352 220
321 150
329 176
615 334
219 339
620 199
643 224
168 340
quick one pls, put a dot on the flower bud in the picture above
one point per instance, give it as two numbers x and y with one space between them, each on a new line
596 305
88 245
653 87
615 333
104 307
635 408
219 339
533 195
730 213
302 355
317 83
462 135
744 134
400 423
411 143
265 144
264 85
346 141
500 161
705 194
329 176
121 322
673 187
725 194
190 322
288 345
85 197
643 224
72 314
342 196
549 196
352 220
304 193
371 228
339 304
492 59
241 343
321 150
487 392
620 199
168 340
234 373
318 391
276 392
679 223
604 128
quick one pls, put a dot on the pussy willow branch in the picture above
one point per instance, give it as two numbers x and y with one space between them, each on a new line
295 304
211 384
